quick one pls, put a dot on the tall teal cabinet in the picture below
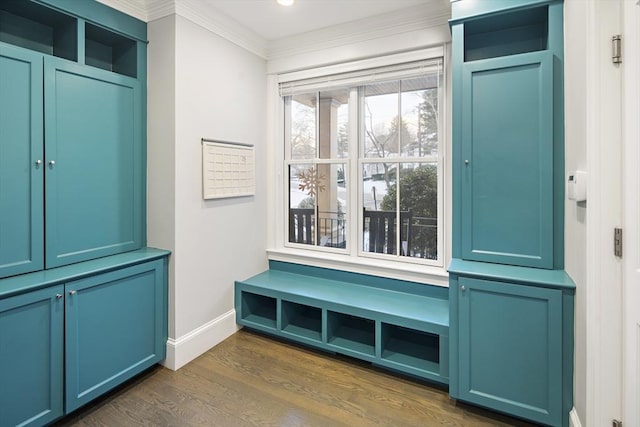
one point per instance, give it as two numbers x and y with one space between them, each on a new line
83 302
511 303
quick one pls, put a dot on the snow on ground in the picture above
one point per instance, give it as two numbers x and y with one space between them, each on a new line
373 193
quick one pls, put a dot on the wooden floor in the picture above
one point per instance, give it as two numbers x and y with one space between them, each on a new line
252 380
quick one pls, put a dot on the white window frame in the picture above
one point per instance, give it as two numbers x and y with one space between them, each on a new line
354 258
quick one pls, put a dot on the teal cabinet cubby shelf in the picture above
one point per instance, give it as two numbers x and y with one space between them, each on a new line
259 310
351 334
301 320
398 325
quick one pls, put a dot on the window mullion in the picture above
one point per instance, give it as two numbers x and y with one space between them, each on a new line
355 178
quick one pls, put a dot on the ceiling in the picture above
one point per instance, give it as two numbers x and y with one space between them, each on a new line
271 21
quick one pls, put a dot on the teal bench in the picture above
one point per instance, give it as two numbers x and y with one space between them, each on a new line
399 325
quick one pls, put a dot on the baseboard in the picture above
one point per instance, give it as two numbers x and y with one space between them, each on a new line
574 419
191 345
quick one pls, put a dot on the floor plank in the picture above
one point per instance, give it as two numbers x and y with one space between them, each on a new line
253 380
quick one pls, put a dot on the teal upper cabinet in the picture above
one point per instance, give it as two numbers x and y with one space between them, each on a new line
507 150
508 159
72 133
21 154
94 165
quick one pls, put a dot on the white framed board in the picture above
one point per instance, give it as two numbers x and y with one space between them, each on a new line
228 169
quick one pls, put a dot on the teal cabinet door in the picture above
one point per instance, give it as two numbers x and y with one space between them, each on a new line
115 328
507 154
21 182
31 353
510 349
94 165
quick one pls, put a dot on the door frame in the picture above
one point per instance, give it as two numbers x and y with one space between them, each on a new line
631 210
604 213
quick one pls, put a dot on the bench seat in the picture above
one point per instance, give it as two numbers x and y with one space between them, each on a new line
401 330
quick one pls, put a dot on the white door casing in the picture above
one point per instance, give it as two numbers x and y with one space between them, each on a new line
631 211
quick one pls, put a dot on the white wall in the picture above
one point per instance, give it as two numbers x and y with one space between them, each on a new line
219 92
160 145
575 86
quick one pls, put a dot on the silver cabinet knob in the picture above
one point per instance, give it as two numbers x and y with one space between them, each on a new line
52 163
466 162
38 163
58 296
462 288
73 292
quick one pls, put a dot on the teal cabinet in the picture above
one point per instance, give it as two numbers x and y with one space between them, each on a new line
510 348
508 134
31 357
507 150
511 303
72 134
78 335
21 156
94 163
115 328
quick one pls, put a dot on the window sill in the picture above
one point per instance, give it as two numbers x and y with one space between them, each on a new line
430 275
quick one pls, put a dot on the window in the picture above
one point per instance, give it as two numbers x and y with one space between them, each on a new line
363 162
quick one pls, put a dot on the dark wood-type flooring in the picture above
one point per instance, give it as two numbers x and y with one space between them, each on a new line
252 380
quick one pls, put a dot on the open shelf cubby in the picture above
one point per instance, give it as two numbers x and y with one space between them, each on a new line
36 27
351 333
110 51
506 34
302 320
259 309
410 347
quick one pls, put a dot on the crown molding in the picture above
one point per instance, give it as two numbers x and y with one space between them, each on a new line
422 17
157 9
135 8
431 14
200 13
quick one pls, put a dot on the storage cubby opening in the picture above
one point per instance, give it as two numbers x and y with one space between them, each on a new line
36 27
506 34
110 51
351 333
411 347
302 320
259 309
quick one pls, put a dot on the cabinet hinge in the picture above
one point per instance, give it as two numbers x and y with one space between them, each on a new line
616 423
617 242
616 49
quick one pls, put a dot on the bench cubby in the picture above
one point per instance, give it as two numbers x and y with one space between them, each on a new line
302 320
351 334
395 324
259 310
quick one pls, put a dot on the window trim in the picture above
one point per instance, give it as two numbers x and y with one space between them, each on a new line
405 268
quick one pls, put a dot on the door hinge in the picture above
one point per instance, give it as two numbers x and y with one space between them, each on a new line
616 49
616 423
617 242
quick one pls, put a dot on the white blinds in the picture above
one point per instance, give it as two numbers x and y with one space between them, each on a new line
405 70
